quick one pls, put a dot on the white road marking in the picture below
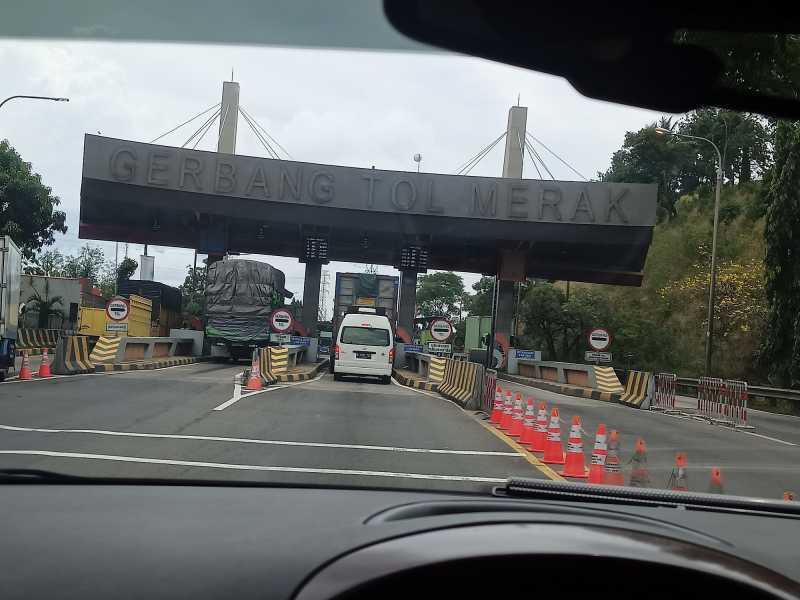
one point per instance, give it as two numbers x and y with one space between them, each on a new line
766 437
15 378
205 438
238 467
237 391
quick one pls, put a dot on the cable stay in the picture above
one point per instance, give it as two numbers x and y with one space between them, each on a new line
466 167
247 115
270 150
205 131
200 130
565 163
198 115
537 156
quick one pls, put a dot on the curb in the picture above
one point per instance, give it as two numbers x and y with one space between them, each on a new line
414 383
149 365
560 388
294 377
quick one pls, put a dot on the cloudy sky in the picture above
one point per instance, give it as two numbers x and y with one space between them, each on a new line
357 108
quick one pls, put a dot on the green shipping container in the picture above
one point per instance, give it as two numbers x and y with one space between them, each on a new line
477 329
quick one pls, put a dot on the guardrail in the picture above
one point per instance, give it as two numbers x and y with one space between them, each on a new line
760 397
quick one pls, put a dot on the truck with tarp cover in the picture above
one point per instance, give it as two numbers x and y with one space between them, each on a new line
240 297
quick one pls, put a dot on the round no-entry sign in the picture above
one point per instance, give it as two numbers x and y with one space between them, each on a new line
117 309
441 330
281 320
599 339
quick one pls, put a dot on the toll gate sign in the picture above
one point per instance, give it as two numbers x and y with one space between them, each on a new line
281 320
441 330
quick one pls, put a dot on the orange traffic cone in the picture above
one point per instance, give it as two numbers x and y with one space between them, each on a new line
528 424
25 369
575 465
497 407
553 452
789 496
599 454
715 485
508 412
640 474
612 473
540 429
44 366
254 381
677 479
516 418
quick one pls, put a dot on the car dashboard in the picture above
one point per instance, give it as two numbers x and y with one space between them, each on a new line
158 541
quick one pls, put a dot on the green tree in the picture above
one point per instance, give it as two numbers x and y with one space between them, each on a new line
480 303
89 263
781 347
126 269
27 206
647 157
440 293
49 263
193 291
45 306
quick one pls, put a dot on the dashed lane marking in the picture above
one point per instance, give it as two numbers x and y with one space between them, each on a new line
205 438
238 467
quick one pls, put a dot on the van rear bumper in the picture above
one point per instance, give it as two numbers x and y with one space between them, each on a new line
348 368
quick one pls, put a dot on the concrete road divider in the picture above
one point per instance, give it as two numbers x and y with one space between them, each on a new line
72 356
263 361
638 389
436 369
33 340
305 376
105 350
148 365
410 380
278 360
607 380
463 382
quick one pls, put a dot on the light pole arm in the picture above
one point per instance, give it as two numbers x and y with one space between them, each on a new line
34 98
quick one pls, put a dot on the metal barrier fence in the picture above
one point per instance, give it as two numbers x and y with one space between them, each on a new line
489 385
664 392
723 401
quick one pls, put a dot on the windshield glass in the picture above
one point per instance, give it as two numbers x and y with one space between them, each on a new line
367 336
576 290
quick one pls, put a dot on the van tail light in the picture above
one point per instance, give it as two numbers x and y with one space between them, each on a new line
391 355
336 351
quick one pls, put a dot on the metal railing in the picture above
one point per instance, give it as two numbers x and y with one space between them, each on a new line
771 399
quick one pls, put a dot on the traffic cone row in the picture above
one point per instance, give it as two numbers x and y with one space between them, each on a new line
541 434
25 369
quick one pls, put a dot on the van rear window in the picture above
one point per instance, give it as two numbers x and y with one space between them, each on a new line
367 336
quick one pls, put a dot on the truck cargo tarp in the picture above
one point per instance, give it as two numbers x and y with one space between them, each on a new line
232 329
243 288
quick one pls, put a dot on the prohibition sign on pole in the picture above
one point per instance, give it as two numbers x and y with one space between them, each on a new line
441 330
281 320
117 309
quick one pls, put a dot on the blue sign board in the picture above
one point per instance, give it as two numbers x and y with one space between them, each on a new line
413 348
529 354
300 341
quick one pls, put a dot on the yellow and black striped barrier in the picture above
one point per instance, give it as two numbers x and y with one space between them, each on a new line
105 350
33 340
264 363
436 369
462 382
278 360
148 365
636 388
607 380
413 382
72 356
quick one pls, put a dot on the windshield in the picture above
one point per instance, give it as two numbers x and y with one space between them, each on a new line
367 336
576 290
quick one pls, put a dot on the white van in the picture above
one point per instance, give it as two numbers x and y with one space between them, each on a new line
364 345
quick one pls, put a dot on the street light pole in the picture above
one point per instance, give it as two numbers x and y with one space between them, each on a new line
712 288
53 98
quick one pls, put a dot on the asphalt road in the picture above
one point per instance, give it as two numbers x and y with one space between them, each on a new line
190 422
164 424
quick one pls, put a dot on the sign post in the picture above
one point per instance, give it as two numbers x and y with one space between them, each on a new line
441 330
117 312
599 341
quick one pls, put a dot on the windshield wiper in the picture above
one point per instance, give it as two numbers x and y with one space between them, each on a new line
582 492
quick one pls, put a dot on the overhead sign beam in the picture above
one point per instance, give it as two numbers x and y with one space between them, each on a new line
162 195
